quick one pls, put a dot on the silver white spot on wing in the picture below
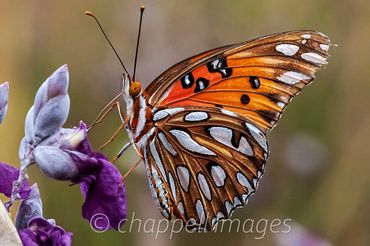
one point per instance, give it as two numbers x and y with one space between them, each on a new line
324 47
244 182
220 215
188 143
200 211
255 181
281 104
287 49
323 35
292 77
245 198
314 58
184 177
218 175
224 135
155 154
204 187
161 114
196 116
168 146
229 113
237 202
180 207
304 41
229 208
259 174
306 36
172 185
257 135
213 222
201 85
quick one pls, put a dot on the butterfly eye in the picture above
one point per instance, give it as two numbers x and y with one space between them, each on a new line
135 88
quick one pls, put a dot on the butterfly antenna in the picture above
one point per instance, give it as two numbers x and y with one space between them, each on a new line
106 37
142 8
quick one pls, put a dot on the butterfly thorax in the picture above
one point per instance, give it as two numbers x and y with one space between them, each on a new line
138 112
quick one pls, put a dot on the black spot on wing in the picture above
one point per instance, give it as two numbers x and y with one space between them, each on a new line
255 82
201 84
187 81
219 66
244 99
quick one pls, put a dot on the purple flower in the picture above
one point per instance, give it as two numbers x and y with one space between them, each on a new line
33 229
29 208
8 175
66 154
41 232
71 158
4 96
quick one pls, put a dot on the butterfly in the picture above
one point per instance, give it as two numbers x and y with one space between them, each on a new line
201 126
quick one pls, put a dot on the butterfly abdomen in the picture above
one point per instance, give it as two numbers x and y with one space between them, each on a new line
158 182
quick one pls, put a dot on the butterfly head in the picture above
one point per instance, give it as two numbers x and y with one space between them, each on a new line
135 89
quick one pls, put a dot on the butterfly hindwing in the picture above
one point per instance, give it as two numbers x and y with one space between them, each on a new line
204 162
255 79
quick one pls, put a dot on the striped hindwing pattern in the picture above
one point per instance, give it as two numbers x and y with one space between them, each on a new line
203 162
255 79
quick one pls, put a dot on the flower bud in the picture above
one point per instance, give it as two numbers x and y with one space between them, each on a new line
55 162
29 208
51 106
28 127
4 96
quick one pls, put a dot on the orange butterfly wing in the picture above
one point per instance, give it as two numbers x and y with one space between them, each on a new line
255 79
210 113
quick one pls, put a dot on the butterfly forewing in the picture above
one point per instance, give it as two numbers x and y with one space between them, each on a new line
255 79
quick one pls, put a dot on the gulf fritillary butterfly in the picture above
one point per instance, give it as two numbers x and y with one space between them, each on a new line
201 125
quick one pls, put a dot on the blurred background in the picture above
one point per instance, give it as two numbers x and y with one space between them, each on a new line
318 174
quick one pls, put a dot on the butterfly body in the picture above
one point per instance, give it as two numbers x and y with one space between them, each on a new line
201 126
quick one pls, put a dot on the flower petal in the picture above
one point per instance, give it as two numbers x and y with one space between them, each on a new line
107 195
55 162
28 126
42 232
85 146
4 97
55 85
51 116
29 208
8 174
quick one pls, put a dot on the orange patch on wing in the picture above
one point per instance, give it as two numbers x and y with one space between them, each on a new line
177 92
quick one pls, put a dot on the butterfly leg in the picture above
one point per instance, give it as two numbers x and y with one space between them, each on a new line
108 108
119 154
111 139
